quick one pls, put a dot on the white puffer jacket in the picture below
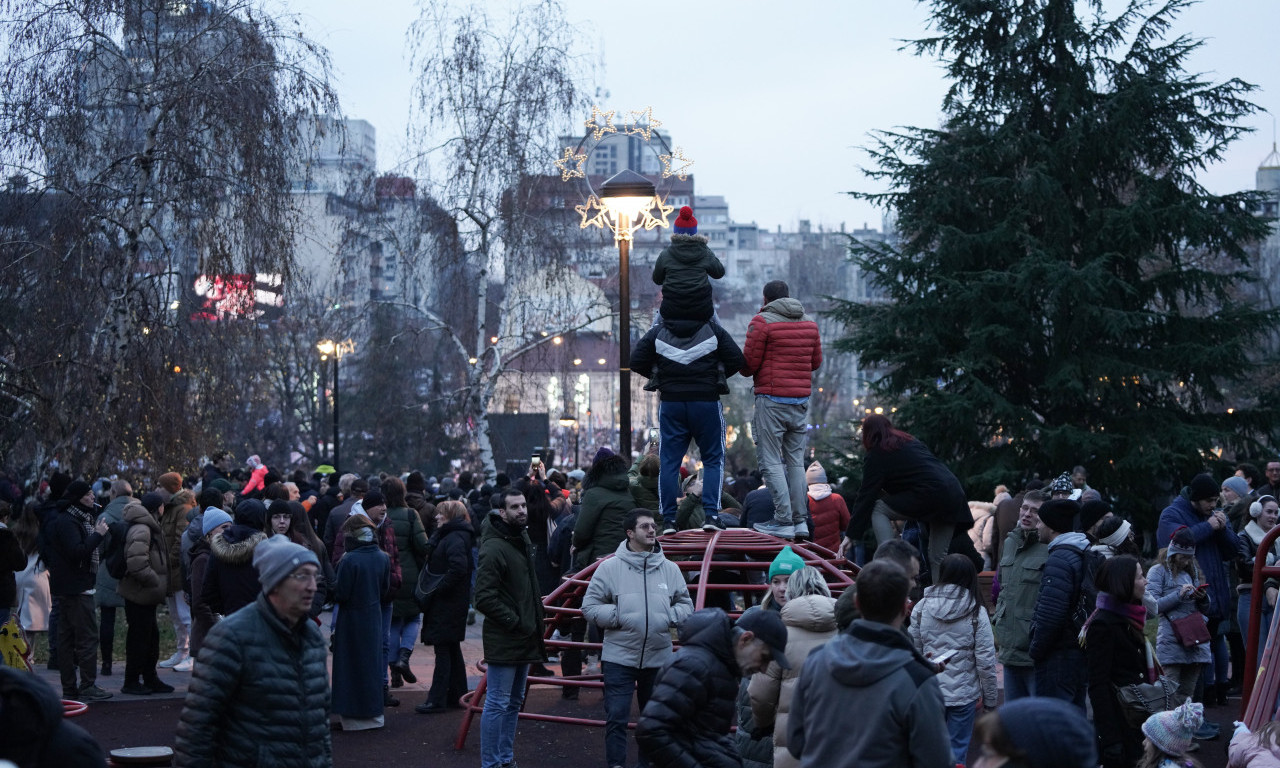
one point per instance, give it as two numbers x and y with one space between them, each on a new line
946 618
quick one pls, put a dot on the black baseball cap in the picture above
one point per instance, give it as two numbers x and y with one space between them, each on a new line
768 627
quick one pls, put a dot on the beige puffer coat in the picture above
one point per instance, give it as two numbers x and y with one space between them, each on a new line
811 622
146 577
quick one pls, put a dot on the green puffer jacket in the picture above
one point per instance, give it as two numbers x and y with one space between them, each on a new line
598 528
644 490
1022 561
508 596
411 545
259 696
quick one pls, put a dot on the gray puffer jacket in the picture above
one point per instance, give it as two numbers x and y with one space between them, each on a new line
259 696
1167 591
945 619
637 598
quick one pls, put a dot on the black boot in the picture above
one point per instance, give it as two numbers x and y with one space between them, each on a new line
396 680
1220 693
405 670
387 699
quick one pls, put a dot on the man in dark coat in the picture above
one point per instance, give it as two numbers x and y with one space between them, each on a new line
1060 669
688 362
507 594
35 732
73 569
686 722
259 693
11 560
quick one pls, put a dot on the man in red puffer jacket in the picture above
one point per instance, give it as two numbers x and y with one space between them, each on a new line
782 350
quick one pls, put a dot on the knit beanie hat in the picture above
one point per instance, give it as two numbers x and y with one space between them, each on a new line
685 224
170 481
277 557
601 455
372 499
1091 512
1237 484
1052 733
785 564
1171 731
815 474
152 502
1061 484
1203 486
213 517
221 485
1181 542
251 513
76 489
1059 514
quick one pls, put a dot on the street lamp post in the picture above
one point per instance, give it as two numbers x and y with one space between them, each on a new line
625 196
335 350
567 420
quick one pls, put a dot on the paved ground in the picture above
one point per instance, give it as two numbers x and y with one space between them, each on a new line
413 740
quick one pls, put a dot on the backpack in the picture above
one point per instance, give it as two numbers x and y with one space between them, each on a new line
1088 598
113 557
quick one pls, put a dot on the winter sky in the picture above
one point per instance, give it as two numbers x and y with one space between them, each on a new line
773 101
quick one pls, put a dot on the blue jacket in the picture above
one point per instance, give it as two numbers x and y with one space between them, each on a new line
1214 549
1052 629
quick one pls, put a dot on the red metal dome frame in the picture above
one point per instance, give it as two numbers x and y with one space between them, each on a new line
731 552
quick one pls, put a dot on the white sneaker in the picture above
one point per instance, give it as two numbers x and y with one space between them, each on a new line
185 665
172 661
802 530
668 531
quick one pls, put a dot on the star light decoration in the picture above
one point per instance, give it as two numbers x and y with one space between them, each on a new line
664 210
600 123
680 172
598 220
571 156
635 126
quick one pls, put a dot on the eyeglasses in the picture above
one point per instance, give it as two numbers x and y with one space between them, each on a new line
647 526
302 577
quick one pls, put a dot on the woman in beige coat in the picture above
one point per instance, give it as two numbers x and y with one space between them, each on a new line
143 588
810 616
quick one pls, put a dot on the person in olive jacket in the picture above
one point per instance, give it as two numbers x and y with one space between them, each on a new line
143 588
444 622
507 594
606 500
259 693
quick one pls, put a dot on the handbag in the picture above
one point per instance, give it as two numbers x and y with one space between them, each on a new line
425 589
1138 701
1191 630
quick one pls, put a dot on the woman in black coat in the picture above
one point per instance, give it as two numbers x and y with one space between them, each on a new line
444 622
1115 650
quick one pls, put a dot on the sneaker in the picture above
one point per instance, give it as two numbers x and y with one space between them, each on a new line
93 693
802 530
668 531
70 693
471 616
185 665
106 669
713 523
774 529
159 686
173 661
135 689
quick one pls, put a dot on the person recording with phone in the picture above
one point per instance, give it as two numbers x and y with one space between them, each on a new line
538 492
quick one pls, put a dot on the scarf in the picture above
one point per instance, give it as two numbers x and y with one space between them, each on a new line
1135 613
85 518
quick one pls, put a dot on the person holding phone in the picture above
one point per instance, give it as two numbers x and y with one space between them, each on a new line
1175 583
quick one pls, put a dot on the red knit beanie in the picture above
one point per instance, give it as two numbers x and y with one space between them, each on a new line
685 224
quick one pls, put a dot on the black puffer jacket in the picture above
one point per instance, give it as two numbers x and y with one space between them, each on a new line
230 580
1052 628
687 720
687 360
35 733
259 696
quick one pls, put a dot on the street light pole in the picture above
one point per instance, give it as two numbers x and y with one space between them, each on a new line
337 462
335 349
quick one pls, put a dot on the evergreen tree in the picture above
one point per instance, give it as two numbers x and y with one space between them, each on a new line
1064 289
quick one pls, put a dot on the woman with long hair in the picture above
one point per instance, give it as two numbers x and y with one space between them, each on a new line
952 617
1115 651
298 529
444 622
902 480
809 613
34 599
1176 584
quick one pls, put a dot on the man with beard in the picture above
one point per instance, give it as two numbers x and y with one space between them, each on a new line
507 593
73 568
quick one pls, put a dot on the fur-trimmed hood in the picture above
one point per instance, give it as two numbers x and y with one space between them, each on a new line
235 551
681 238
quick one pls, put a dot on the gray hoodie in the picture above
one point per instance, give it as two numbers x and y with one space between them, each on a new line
870 669
637 598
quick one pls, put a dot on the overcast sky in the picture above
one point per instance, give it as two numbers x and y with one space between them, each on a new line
772 101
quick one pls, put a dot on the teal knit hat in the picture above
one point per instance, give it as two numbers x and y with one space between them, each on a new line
785 564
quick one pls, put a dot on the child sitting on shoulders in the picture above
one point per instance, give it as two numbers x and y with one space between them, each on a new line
684 269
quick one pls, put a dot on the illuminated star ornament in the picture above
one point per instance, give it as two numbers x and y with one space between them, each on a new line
600 123
571 158
635 125
664 210
584 211
680 172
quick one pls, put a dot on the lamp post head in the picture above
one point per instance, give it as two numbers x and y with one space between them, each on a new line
567 419
627 192
326 347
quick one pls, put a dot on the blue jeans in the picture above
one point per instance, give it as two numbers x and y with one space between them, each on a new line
404 633
678 424
1064 675
960 727
1019 683
780 432
503 698
620 681
386 643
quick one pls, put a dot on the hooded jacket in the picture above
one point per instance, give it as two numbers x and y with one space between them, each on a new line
1166 590
146 577
946 618
687 360
105 593
1022 561
1052 625
598 527
811 622
1214 549
830 515
35 732
686 722
683 270
230 580
637 598
506 592
783 349
1246 751
903 722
